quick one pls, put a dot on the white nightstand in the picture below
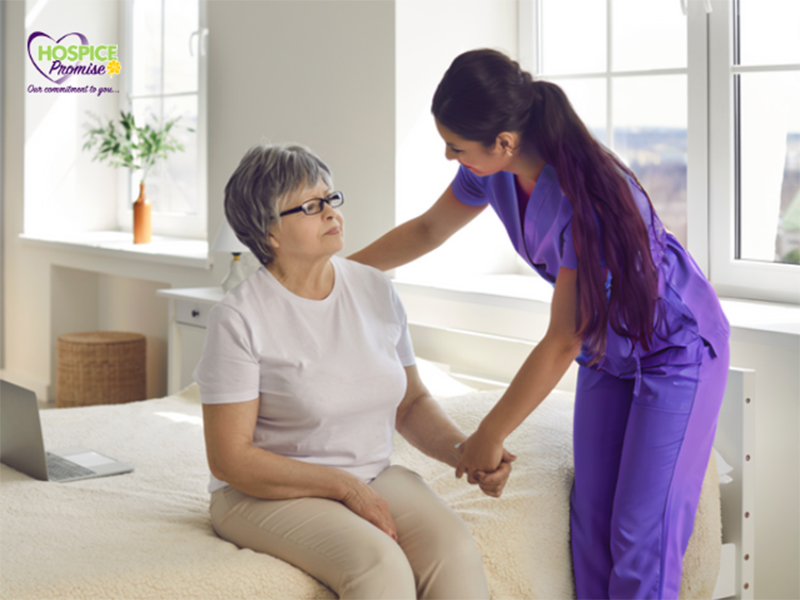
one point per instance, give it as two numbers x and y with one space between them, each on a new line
188 316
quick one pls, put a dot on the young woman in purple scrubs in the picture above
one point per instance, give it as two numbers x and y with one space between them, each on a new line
630 305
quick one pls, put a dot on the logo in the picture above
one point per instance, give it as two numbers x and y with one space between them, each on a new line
72 55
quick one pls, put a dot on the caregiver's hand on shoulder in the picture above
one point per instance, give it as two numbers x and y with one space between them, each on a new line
492 484
369 505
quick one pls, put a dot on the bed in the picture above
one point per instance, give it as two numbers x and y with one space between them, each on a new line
147 534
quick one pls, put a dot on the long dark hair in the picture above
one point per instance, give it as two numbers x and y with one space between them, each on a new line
484 93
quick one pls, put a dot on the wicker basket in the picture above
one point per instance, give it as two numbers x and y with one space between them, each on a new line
101 367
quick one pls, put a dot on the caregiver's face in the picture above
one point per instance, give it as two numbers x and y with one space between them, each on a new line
310 235
473 155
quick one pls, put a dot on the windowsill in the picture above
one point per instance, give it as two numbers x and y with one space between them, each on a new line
501 290
119 244
525 291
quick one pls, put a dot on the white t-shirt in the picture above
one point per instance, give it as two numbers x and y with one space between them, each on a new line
329 373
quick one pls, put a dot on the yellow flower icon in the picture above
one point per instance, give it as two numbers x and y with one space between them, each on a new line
113 68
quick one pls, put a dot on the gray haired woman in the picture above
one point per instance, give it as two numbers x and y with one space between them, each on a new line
306 371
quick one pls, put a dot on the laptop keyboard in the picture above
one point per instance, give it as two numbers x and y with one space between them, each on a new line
59 468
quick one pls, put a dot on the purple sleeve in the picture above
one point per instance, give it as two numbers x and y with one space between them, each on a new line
469 188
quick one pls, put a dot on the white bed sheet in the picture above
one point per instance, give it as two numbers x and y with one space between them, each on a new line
147 534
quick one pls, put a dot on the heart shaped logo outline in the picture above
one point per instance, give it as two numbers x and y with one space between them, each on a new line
84 42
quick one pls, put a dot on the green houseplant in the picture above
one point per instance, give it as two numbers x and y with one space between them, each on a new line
123 143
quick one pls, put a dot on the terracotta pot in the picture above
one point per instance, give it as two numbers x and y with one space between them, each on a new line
142 226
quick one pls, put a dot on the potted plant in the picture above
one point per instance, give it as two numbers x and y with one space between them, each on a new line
123 143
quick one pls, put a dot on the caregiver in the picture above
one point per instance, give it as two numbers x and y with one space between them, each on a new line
306 371
629 304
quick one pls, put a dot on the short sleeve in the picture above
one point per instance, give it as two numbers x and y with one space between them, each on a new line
229 368
469 188
405 349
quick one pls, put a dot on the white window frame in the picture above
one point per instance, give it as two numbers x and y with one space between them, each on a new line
168 224
710 153
731 276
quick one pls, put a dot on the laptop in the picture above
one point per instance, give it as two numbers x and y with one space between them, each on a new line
22 446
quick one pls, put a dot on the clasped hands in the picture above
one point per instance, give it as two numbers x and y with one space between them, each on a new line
485 462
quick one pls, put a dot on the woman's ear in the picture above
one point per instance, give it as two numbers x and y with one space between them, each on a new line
273 241
507 142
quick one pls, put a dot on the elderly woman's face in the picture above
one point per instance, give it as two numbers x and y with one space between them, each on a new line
309 236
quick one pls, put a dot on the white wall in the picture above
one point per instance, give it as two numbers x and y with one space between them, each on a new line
320 73
2 178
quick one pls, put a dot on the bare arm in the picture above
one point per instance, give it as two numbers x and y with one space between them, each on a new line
425 425
428 428
418 236
234 459
537 377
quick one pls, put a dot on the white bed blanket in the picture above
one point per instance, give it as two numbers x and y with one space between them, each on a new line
147 534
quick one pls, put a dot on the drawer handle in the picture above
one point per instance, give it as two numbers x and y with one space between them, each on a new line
195 313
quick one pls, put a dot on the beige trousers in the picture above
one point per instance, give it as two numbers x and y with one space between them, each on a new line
434 557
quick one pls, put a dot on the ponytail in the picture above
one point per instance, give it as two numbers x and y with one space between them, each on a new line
484 93
595 181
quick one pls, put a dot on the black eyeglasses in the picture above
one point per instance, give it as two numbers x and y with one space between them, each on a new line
315 205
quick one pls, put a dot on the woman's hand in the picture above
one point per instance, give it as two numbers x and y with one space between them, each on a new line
492 484
422 422
481 454
369 505
537 377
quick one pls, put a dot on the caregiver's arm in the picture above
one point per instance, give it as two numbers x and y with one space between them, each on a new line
428 428
537 377
234 459
418 236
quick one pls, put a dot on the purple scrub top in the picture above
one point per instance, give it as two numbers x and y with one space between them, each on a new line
687 307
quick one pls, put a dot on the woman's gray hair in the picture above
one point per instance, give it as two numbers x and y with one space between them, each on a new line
266 175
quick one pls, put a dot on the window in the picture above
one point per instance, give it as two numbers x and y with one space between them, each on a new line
700 113
166 43
754 141
630 90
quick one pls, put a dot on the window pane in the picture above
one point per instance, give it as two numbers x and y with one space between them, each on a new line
769 32
180 66
769 155
180 170
171 184
146 35
650 116
647 35
588 98
147 111
573 36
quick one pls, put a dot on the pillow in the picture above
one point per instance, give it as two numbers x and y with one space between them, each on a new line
723 469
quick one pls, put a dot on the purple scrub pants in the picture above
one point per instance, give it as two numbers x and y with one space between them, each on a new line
640 460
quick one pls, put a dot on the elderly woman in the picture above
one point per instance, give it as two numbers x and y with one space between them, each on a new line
307 369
